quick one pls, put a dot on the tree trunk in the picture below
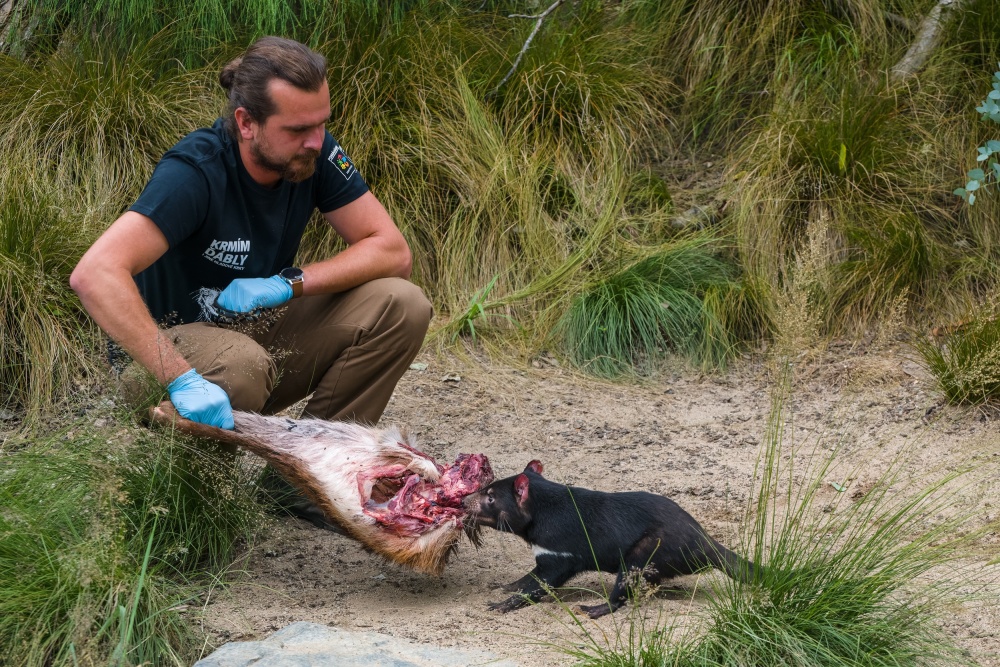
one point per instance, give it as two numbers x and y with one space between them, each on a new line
928 38
6 8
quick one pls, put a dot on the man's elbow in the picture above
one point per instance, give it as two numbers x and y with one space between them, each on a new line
404 263
79 279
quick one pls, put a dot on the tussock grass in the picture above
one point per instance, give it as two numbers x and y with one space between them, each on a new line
81 131
44 338
966 361
845 583
197 30
862 579
94 119
670 301
730 58
99 545
519 190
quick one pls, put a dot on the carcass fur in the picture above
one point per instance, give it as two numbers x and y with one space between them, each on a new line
375 483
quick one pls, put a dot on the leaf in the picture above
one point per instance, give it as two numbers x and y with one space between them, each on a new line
988 107
976 174
972 199
838 487
994 95
993 146
960 192
996 170
843 158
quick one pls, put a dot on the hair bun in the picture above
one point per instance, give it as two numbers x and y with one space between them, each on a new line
228 72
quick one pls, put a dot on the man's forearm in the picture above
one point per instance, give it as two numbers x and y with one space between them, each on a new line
125 318
355 265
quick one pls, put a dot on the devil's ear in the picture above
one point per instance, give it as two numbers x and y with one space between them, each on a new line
521 488
534 466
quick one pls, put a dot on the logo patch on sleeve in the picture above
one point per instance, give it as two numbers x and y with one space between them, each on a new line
339 159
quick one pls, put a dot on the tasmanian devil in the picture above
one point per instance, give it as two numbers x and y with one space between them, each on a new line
573 530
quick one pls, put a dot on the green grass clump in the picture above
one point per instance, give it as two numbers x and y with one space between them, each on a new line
860 579
80 132
845 583
668 302
101 542
97 119
197 31
966 362
883 261
42 333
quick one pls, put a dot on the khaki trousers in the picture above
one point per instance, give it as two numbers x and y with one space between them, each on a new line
346 350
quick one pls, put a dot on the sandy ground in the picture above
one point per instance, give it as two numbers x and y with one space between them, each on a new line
692 437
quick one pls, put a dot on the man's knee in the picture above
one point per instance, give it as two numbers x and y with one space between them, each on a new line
408 309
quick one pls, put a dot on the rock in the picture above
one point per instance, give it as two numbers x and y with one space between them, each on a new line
311 644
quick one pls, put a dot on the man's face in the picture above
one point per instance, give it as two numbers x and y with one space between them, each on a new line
289 141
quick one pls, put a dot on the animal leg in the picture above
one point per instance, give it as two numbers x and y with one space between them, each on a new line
532 587
640 562
527 580
616 598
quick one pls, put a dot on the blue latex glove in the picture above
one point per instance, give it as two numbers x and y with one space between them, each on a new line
201 401
246 294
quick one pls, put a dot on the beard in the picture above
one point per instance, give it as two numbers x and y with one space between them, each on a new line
295 169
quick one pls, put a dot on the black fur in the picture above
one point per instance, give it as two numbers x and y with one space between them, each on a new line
575 530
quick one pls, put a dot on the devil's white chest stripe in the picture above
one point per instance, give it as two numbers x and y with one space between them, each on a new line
541 551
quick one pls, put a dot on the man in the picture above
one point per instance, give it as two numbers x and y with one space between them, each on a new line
225 209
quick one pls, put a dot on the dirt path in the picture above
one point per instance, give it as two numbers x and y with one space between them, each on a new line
691 437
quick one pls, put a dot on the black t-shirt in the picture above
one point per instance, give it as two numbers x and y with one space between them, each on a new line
222 225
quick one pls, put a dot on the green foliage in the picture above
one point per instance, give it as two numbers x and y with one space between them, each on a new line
966 362
632 318
91 117
41 320
841 584
465 323
198 31
980 177
884 261
98 545
80 132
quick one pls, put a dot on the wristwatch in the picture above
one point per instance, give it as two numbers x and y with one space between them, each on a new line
293 276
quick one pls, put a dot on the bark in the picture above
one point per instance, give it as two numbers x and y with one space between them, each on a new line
6 9
539 19
929 36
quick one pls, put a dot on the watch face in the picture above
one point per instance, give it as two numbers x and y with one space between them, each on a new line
291 273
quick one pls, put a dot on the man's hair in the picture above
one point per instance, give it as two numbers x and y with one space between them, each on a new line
246 77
